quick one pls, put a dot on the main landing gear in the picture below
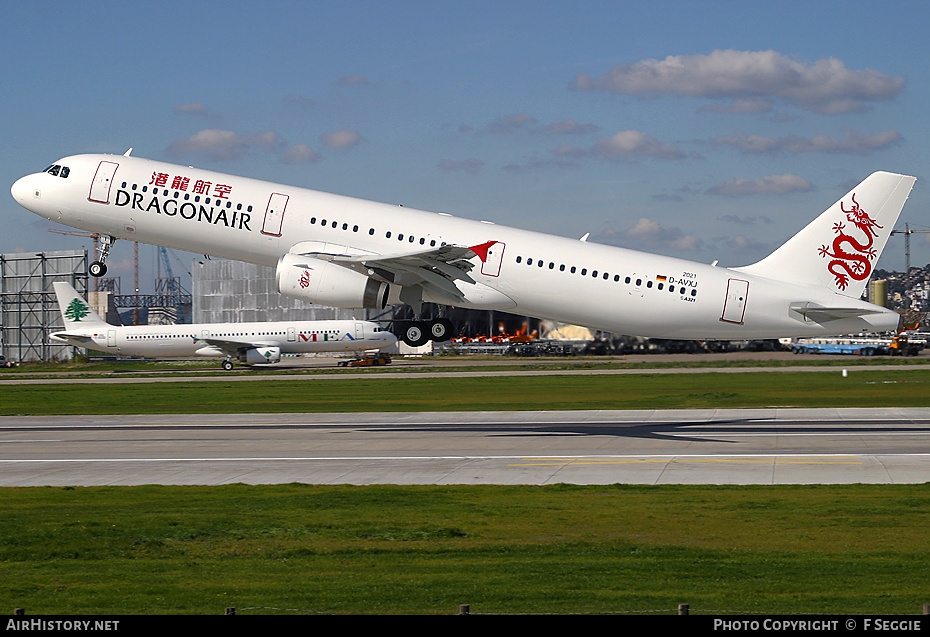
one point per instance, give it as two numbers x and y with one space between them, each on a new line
99 268
419 332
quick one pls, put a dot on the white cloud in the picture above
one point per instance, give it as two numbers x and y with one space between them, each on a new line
652 235
825 86
764 185
854 143
194 108
300 154
342 138
224 144
631 143
568 127
354 79
740 107
301 102
470 166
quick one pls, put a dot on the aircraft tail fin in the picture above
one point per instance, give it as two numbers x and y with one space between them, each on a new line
839 249
75 311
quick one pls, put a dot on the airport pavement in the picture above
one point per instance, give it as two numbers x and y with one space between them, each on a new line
711 446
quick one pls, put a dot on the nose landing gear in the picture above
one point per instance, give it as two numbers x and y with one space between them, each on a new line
98 268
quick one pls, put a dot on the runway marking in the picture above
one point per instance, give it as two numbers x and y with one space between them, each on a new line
514 461
765 460
737 434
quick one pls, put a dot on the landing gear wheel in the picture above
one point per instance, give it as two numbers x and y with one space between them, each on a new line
97 269
415 335
227 365
440 329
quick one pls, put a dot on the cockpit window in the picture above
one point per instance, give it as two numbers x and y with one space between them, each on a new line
58 171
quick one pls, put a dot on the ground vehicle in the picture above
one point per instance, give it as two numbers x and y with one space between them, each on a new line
372 360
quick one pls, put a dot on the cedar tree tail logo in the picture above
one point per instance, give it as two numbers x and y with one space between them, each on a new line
851 258
76 311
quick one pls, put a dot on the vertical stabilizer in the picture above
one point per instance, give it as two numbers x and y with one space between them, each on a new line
838 250
75 311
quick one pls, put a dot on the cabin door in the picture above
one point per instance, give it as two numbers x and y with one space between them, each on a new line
274 214
492 263
103 179
734 307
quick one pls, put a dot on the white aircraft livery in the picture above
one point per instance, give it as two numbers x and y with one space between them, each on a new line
252 343
344 252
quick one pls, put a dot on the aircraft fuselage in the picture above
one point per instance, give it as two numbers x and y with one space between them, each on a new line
609 288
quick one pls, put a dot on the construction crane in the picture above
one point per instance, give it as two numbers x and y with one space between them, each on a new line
170 286
907 232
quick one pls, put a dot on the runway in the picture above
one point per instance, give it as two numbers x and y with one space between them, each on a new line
734 446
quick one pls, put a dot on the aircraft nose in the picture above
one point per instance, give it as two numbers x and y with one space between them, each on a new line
22 189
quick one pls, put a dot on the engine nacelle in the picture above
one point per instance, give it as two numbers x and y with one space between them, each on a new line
260 355
326 283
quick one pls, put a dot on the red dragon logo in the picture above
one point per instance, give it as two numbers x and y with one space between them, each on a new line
854 264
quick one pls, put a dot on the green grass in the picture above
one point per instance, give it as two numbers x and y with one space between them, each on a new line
382 549
862 388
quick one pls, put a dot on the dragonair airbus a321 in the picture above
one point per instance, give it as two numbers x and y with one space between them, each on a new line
344 252
252 343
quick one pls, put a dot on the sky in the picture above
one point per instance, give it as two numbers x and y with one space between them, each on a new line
703 130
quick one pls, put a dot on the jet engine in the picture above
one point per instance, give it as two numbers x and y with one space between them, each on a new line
326 283
259 355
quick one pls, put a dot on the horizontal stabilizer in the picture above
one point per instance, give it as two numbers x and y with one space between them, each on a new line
821 314
74 336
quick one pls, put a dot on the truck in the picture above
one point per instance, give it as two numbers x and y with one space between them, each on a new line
897 345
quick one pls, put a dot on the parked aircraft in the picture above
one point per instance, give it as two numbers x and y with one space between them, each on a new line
345 252
252 343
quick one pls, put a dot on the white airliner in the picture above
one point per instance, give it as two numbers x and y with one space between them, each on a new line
252 343
344 252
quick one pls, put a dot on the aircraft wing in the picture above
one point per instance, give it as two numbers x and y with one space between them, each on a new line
435 269
231 346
